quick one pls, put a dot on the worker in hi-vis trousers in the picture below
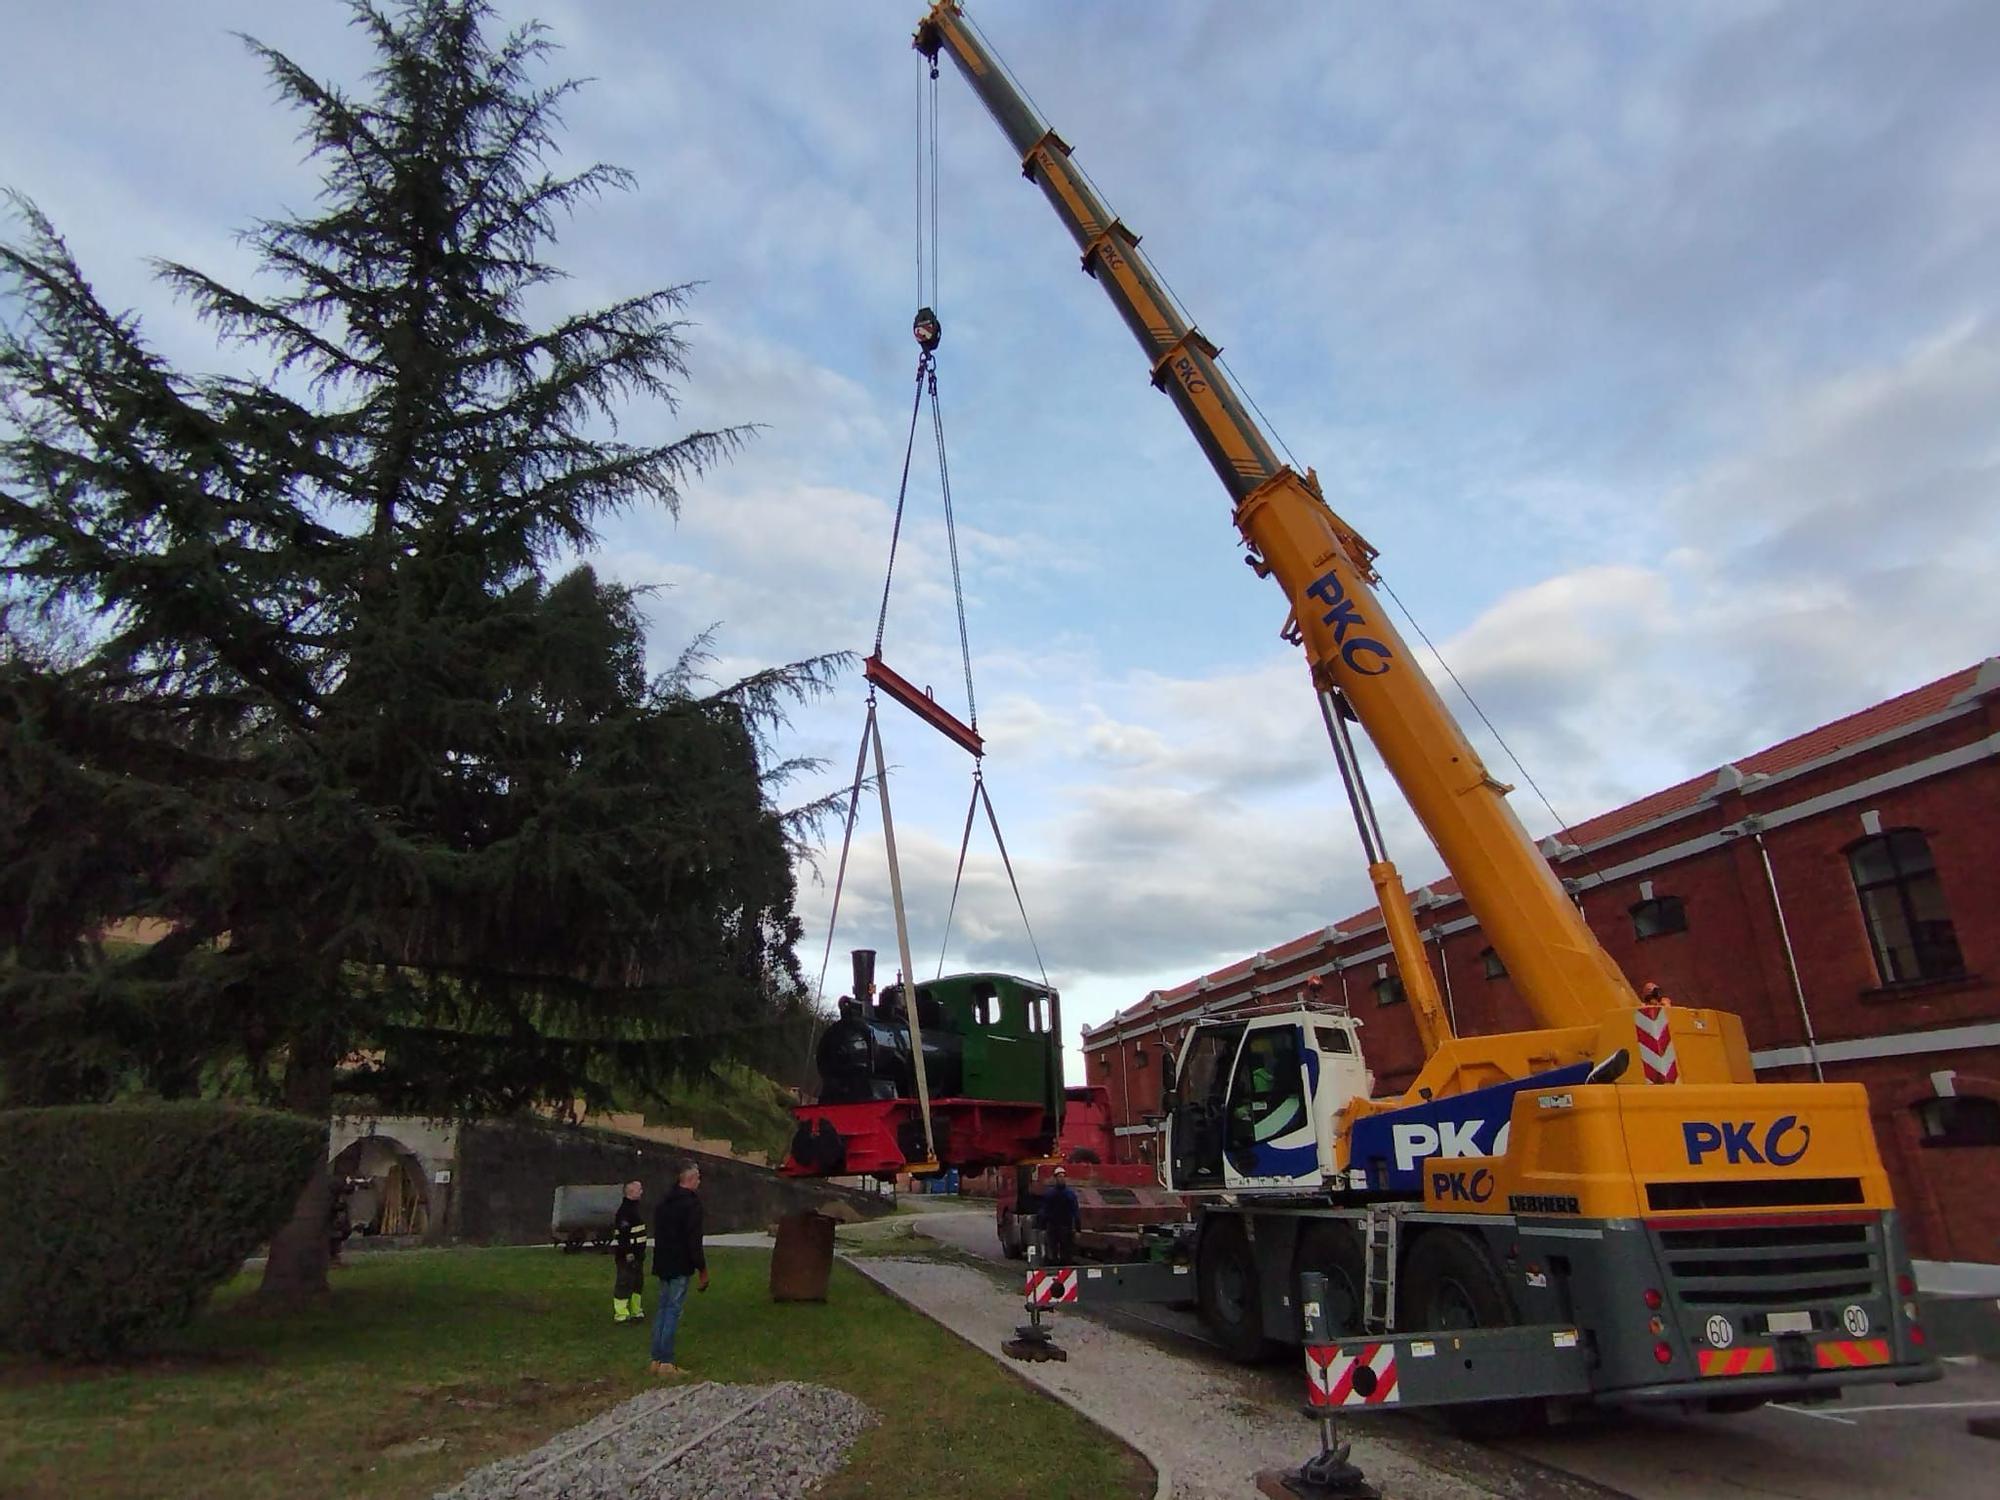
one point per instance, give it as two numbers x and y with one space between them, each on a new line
628 1254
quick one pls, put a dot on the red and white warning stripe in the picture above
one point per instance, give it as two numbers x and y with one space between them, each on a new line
1046 1288
1360 1375
1656 1045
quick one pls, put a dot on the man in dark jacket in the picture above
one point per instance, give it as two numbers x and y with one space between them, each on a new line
628 1256
677 1256
1058 1215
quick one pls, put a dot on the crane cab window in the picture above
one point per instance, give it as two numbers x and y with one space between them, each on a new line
1334 1039
1197 1105
1268 1092
1208 1060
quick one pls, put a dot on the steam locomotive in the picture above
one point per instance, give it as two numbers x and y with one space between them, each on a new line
992 1051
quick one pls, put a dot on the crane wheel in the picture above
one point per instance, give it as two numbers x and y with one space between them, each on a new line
1013 1242
1449 1281
1231 1299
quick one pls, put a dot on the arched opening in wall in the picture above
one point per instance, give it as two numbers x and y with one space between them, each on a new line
386 1191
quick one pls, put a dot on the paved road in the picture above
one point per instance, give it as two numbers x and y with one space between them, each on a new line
1878 1441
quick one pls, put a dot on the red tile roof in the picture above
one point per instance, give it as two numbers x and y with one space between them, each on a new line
1815 744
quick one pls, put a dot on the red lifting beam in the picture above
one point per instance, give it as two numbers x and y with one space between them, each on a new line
923 705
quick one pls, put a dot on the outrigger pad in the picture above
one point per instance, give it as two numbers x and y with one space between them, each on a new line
1022 1349
1032 1343
1291 1484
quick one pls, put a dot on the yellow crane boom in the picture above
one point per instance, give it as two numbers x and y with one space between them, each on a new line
1327 573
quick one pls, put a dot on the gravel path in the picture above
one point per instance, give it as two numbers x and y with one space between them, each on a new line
686 1442
1207 1427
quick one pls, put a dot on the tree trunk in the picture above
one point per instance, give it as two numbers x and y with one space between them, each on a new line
300 1252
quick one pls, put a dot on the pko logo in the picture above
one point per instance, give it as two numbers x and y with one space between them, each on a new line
1462 1187
1343 616
1739 1141
1446 1138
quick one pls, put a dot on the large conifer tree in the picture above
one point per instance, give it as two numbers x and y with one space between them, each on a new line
395 788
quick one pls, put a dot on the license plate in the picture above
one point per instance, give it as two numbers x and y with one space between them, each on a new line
1789 1322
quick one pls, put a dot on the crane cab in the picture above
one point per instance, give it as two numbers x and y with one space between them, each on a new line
1250 1102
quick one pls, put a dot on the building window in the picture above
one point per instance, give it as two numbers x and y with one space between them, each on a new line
1657 915
1145 1057
1389 990
1909 926
1491 961
1958 1120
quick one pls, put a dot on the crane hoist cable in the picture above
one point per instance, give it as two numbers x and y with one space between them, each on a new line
881 678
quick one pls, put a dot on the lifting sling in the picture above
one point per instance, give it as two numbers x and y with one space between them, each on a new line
885 680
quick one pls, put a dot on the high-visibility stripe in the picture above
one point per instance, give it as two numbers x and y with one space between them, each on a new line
1848 1354
1657 1059
1331 1372
1046 1288
1751 1359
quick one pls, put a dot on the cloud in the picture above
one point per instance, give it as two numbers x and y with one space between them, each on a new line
1844 555
1883 464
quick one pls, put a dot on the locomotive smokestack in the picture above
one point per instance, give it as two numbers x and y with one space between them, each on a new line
864 974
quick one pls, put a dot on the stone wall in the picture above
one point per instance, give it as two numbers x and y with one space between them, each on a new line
508 1174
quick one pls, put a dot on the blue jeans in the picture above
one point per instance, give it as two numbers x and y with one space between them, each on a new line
667 1321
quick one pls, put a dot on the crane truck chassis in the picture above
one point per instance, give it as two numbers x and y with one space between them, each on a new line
1526 1220
1718 1272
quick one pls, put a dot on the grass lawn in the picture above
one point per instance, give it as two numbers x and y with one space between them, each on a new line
493 1351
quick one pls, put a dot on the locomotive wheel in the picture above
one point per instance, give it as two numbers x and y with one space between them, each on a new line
1231 1299
1451 1282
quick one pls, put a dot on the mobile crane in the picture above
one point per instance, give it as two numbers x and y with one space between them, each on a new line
1540 1220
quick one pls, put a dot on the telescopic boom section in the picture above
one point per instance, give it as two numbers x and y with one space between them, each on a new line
1326 571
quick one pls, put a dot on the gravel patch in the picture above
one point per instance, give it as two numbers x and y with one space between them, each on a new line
686 1442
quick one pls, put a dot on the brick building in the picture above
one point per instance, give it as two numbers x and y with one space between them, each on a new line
1839 891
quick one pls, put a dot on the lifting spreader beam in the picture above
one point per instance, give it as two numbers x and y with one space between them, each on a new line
923 705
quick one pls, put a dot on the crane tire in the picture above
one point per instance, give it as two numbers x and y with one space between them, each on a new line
1449 1281
1226 1285
1013 1243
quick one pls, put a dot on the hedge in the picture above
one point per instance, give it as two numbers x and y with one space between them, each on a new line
117 1221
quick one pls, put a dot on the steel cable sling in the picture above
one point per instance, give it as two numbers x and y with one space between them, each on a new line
928 332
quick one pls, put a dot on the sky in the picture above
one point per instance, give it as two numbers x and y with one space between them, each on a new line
1655 346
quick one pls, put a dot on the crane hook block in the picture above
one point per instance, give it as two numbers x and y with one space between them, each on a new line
927 328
